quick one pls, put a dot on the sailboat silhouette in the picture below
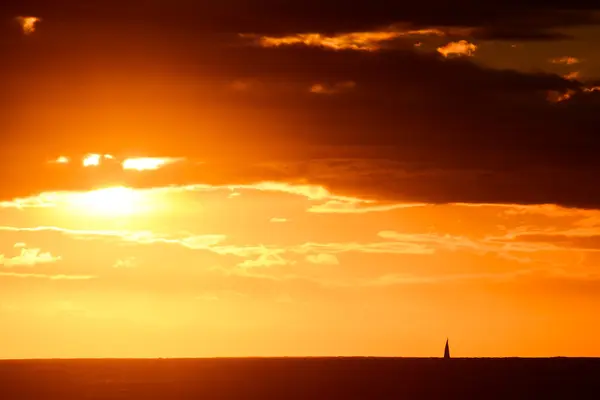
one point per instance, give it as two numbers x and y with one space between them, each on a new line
447 350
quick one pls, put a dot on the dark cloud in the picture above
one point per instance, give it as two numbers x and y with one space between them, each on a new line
414 127
512 18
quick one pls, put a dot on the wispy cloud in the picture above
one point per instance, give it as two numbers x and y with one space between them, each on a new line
572 76
324 259
358 207
268 257
362 41
140 237
407 279
278 220
460 48
567 60
321 88
54 277
128 262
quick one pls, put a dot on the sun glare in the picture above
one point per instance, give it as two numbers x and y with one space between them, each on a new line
112 201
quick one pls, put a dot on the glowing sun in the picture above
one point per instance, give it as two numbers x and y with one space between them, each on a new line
108 201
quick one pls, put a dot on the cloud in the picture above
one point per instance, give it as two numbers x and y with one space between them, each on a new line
62 160
460 48
361 41
268 258
194 242
419 128
129 262
28 24
340 87
349 207
124 200
91 160
147 163
573 75
28 257
278 220
55 277
567 60
94 160
412 279
324 259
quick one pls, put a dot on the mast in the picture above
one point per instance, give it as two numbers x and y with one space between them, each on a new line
447 350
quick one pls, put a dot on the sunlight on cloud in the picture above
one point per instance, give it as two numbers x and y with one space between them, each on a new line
46 276
325 259
190 241
91 160
358 207
147 163
42 200
28 24
62 160
124 200
28 257
460 48
565 60
94 160
572 76
363 41
111 201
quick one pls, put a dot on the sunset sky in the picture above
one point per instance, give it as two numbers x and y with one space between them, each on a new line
289 178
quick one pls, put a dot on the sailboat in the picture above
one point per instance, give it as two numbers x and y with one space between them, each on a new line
447 350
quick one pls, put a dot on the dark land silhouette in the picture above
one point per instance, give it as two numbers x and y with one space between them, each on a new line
301 378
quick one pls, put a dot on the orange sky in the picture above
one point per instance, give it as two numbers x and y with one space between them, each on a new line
276 269
182 181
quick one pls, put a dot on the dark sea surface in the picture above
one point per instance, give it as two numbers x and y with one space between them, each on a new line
301 378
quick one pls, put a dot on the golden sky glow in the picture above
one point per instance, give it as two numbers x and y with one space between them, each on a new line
217 179
109 201
275 251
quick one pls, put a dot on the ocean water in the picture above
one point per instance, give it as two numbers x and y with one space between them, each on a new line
301 378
